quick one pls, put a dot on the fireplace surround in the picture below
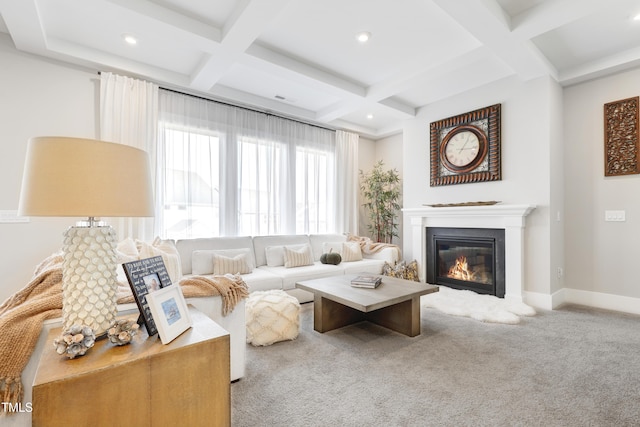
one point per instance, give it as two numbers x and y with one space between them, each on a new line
510 218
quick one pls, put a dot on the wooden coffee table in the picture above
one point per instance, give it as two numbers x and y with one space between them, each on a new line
395 304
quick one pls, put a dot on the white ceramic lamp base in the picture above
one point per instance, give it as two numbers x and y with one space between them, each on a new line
89 282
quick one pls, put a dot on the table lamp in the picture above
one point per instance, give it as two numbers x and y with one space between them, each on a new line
76 177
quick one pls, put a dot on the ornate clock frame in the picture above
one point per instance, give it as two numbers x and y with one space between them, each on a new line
485 122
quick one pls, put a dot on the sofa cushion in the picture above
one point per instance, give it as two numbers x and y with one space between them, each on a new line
290 276
297 256
370 266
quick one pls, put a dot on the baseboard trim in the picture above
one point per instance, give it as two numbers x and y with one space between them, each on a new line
588 298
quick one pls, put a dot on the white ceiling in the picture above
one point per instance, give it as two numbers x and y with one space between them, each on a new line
250 51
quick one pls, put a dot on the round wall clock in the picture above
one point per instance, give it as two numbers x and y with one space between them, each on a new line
463 149
466 148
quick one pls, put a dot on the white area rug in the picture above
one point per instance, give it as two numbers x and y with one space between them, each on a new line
485 308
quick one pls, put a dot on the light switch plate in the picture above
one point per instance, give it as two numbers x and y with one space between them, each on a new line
10 217
615 216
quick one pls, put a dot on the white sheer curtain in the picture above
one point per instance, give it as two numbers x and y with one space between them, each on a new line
129 115
347 178
269 175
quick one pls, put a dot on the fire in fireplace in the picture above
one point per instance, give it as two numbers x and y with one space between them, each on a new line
466 258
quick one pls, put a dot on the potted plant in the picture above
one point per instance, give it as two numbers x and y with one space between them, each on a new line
381 191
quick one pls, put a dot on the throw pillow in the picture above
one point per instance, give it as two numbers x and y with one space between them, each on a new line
411 271
351 251
202 260
169 253
402 270
275 254
297 257
230 265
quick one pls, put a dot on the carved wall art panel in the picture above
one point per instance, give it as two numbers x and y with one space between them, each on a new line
621 149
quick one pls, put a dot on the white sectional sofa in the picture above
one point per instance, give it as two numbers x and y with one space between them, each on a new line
266 273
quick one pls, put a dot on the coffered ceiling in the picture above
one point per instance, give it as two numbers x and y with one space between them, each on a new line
300 58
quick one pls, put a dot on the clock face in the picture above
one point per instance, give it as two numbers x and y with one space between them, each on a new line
462 149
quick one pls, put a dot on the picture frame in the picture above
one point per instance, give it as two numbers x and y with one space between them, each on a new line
621 137
483 126
145 277
170 312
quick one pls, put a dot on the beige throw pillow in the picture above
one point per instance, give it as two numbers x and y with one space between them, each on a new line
351 251
297 257
230 265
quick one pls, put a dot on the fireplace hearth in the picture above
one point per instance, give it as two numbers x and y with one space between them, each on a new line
466 258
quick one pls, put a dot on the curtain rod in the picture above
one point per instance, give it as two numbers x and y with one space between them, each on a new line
255 110
242 106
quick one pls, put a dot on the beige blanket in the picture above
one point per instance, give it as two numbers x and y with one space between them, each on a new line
368 246
22 314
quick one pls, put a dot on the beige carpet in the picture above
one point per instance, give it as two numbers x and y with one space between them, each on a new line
562 368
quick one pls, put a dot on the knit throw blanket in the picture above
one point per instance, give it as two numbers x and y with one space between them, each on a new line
22 315
368 246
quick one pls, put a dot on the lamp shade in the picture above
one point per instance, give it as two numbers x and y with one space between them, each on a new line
85 178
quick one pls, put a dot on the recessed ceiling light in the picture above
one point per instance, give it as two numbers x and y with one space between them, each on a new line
636 17
363 36
130 39
369 116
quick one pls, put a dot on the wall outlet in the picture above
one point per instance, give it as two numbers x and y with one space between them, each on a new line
615 216
560 272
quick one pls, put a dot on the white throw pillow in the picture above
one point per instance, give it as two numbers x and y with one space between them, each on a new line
351 251
167 250
230 265
297 257
274 255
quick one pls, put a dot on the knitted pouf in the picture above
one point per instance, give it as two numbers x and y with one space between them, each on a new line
272 316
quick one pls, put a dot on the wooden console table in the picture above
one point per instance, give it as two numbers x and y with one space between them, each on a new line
145 383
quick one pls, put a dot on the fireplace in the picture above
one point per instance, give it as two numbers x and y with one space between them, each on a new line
466 258
509 218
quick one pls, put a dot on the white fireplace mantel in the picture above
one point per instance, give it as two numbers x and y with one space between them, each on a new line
510 218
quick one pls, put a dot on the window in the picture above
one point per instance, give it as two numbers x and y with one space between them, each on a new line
191 184
312 191
262 174
228 171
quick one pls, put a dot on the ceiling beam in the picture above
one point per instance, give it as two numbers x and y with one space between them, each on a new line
493 29
22 19
248 20
548 16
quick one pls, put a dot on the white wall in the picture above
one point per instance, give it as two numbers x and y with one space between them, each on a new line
389 150
601 257
527 137
366 160
38 98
